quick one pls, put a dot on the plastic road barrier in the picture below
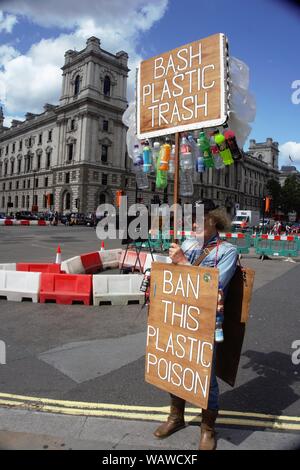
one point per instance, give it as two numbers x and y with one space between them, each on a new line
110 259
18 286
39 267
131 261
242 241
73 266
66 288
91 262
277 245
8 267
117 289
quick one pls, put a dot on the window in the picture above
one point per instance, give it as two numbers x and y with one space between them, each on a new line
36 182
70 152
23 201
19 165
5 168
6 150
35 200
30 141
106 86
20 146
24 186
28 184
39 162
104 153
104 179
45 200
77 85
1 152
3 187
27 202
10 186
50 136
105 125
67 178
68 201
16 201
48 161
40 139
72 124
14 147
46 183
3 201
17 184
12 167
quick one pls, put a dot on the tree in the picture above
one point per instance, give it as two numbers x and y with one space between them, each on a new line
274 190
290 195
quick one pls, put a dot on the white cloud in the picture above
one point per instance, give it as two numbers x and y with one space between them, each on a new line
7 53
290 149
28 81
7 22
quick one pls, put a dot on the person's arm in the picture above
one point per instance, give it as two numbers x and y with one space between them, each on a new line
227 267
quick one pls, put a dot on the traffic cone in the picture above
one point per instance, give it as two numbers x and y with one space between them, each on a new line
102 246
58 255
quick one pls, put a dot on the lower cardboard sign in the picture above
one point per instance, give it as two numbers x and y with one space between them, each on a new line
180 330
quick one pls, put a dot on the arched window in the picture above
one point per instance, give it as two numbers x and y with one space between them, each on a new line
77 85
106 86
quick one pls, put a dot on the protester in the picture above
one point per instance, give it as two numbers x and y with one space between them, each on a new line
222 255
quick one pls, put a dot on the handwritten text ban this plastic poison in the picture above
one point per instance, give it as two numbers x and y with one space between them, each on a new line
180 348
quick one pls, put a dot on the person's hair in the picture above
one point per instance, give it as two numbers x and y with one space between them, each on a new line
221 219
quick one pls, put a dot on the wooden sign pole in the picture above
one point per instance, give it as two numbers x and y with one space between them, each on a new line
176 182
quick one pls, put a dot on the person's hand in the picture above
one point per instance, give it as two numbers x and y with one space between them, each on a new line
176 254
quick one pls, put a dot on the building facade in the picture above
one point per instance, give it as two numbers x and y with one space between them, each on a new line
287 171
72 157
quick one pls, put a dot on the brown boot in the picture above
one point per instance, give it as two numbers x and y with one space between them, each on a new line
175 420
208 435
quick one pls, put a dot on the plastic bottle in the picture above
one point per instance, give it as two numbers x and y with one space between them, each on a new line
171 169
185 158
165 154
155 154
186 183
224 151
205 147
200 167
161 176
219 164
147 163
141 177
232 145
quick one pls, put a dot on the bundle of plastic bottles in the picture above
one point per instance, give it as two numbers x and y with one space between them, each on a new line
198 152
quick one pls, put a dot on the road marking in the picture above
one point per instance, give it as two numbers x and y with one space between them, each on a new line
145 413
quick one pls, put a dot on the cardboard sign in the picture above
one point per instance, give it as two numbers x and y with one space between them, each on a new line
183 89
180 331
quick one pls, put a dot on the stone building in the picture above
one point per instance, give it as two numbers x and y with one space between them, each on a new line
72 157
286 171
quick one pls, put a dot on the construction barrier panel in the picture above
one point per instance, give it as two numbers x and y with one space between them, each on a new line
24 222
110 259
129 260
8 267
8 222
117 289
242 241
156 257
39 267
276 245
66 288
18 286
73 266
91 262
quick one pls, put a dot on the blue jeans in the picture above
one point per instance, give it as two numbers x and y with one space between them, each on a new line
213 399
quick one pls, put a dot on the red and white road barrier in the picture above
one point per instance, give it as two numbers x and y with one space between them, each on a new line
27 223
289 238
232 235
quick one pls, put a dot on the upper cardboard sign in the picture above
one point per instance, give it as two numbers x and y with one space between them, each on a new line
183 89
181 328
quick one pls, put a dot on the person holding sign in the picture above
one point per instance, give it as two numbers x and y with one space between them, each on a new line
223 256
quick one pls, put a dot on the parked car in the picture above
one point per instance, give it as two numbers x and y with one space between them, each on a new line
2 215
26 215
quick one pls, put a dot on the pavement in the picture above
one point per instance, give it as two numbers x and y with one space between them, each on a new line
74 375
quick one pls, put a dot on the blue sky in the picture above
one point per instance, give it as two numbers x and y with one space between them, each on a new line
262 33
